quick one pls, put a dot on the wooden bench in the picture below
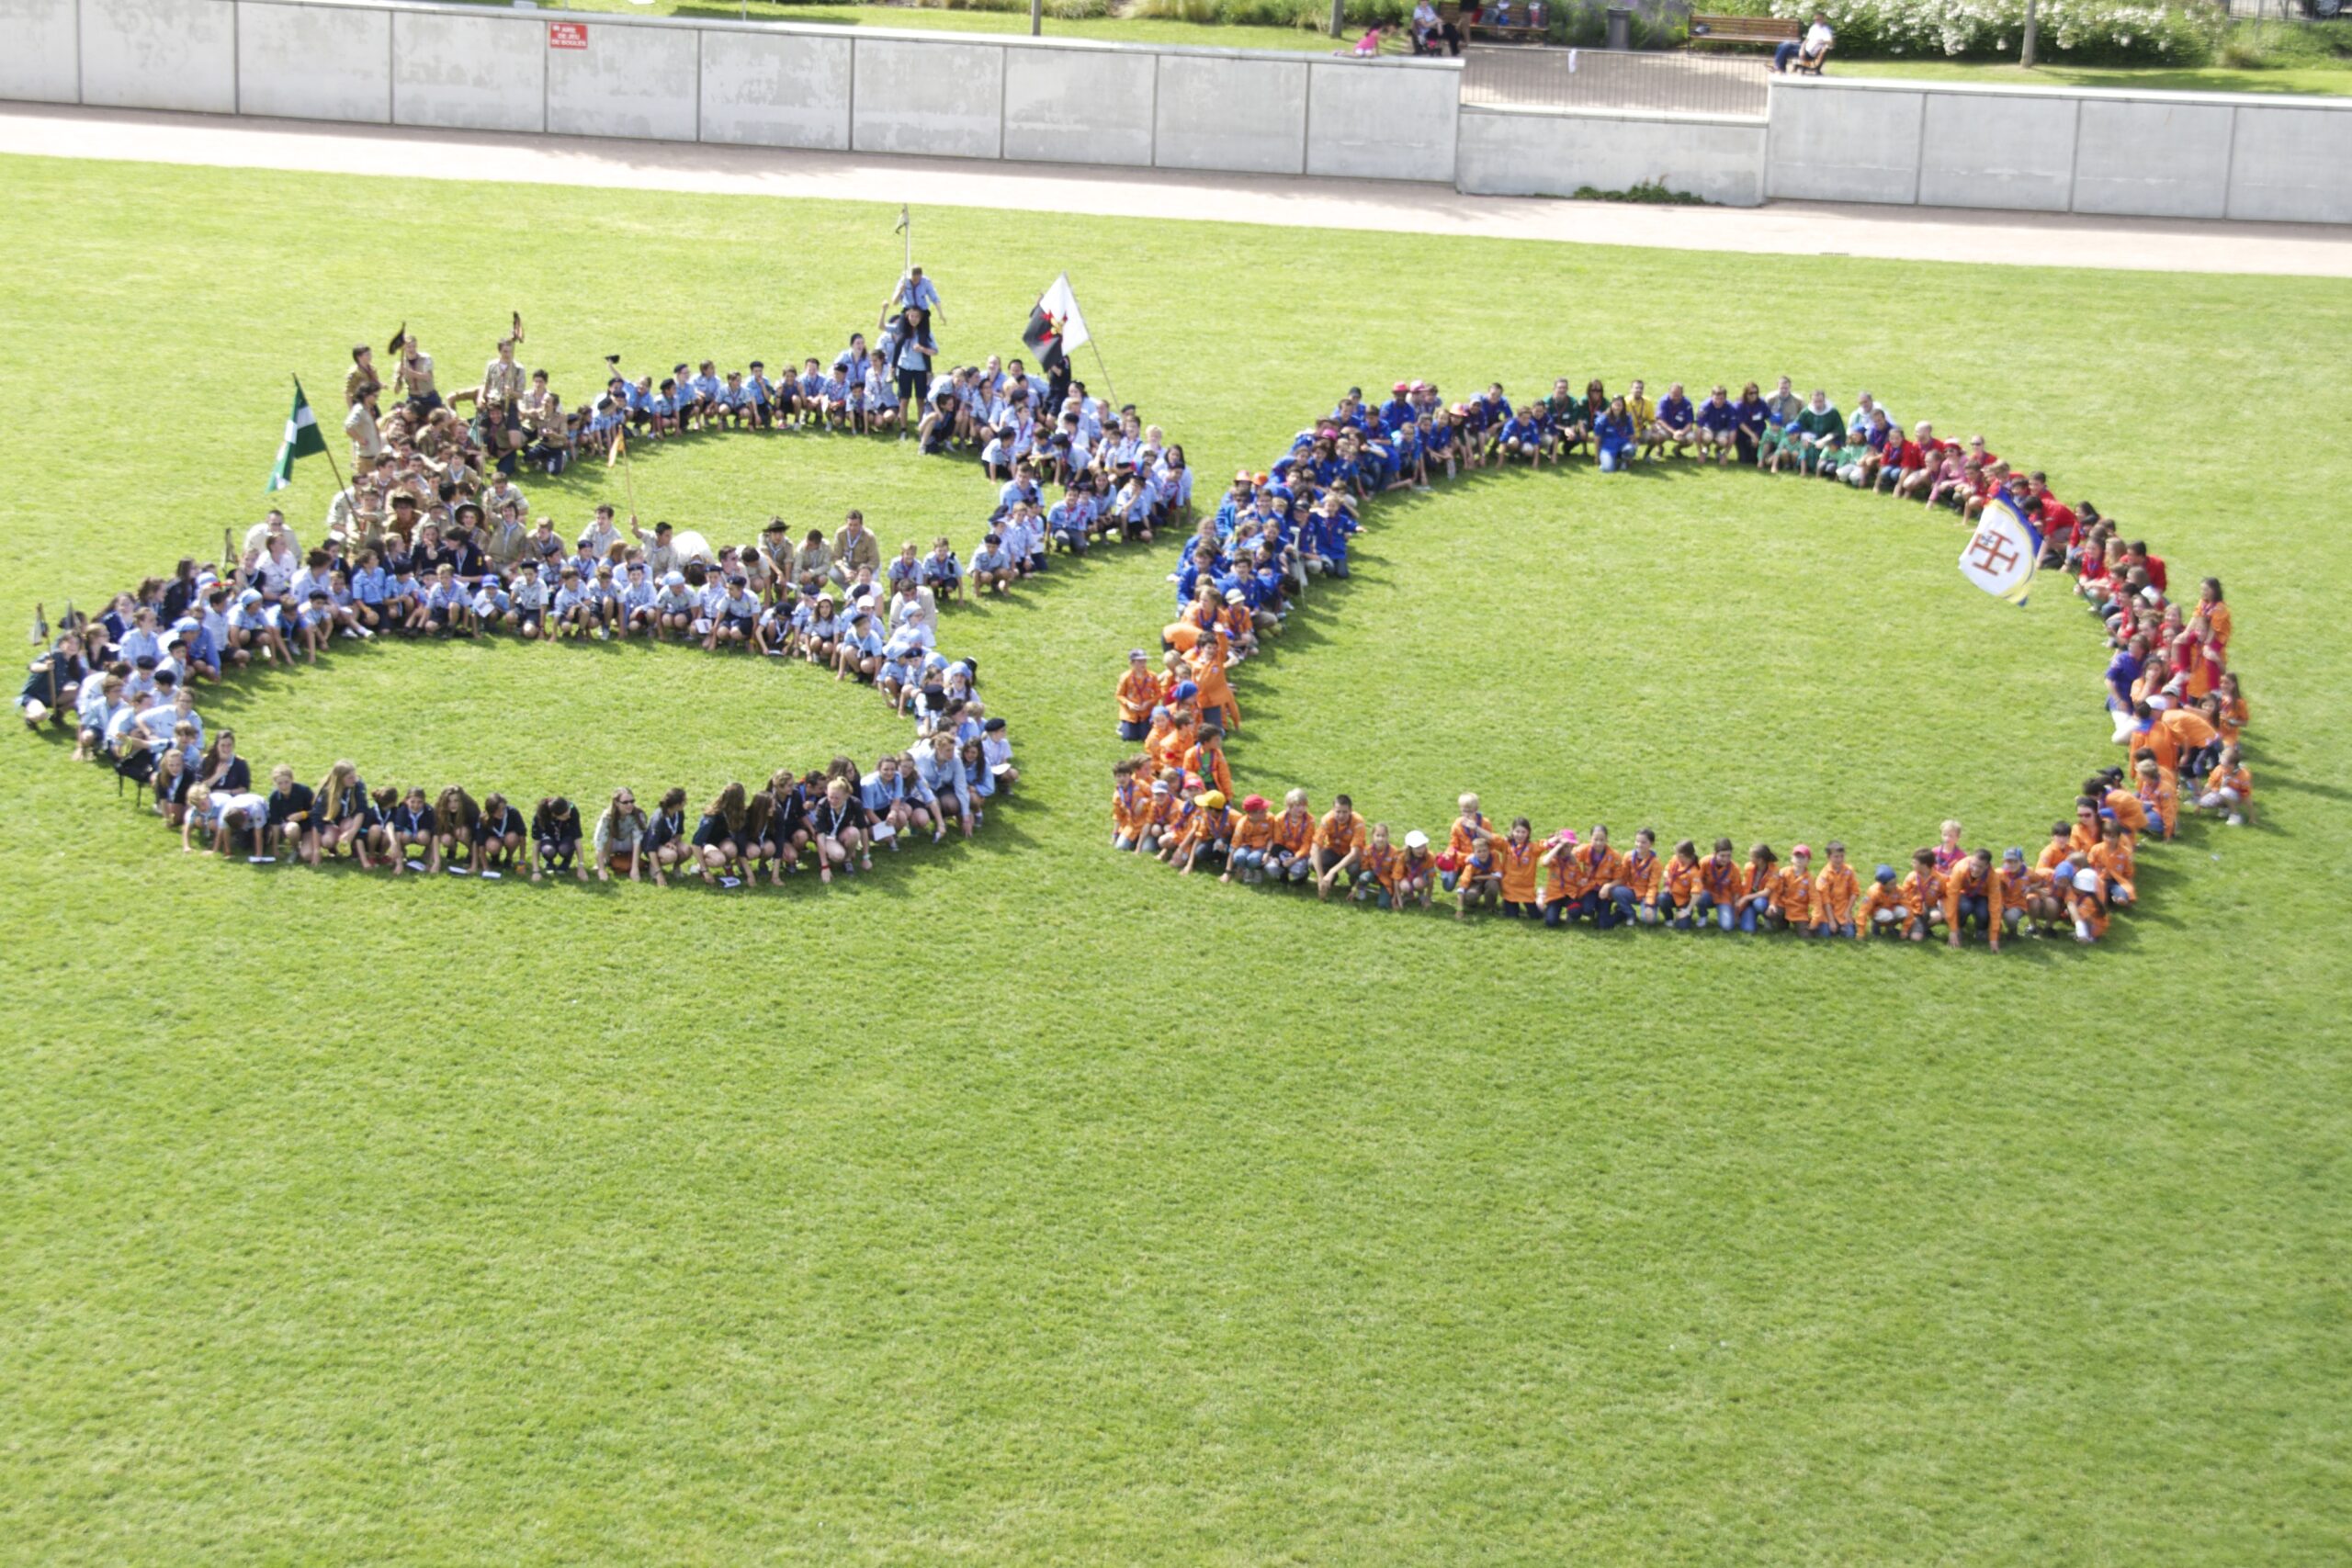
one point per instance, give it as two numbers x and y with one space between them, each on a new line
1769 32
1507 32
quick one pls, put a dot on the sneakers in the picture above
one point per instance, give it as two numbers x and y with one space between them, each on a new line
2235 820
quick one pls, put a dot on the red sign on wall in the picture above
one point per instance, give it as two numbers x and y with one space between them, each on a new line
567 35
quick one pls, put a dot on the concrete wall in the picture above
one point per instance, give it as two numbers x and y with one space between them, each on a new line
1227 110
1535 152
159 54
972 96
637 82
2061 150
315 62
1081 106
1376 120
479 71
42 61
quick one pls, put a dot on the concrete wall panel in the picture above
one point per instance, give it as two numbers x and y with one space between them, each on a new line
775 89
2015 153
1222 112
2152 157
315 62
159 54
634 81
1550 155
1079 106
915 96
1382 122
2289 165
469 72
1829 144
42 61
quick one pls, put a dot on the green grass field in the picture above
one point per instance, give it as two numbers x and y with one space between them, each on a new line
1024 1205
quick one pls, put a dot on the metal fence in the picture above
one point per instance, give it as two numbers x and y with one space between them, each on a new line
1543 78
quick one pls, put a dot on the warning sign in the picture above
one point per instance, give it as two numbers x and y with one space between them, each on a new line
567 35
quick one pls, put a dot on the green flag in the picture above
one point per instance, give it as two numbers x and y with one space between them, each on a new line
302 439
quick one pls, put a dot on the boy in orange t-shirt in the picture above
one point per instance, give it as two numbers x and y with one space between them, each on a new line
1291 857
1923 895
1339 845
1834 894
1884 910
1139 694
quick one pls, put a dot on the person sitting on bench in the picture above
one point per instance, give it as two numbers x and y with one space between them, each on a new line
1805 58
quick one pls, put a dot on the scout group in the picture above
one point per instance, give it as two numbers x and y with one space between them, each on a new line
2178 708
434 539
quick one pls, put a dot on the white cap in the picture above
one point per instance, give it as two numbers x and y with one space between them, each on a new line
1417 840
2087 882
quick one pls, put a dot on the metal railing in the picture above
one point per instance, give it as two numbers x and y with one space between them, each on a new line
1550 78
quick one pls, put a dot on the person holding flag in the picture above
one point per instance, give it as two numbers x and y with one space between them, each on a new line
1056 326
2001 556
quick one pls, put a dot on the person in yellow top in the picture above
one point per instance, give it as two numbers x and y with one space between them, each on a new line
1139 695
1835 891
2160 794
1884 910
2229 788
1790 907
1253 836
1648 436
1973 896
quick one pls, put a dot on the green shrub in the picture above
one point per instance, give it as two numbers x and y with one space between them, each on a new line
2082 32
1311 14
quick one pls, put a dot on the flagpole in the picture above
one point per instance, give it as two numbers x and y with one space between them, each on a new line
328 451
1094 345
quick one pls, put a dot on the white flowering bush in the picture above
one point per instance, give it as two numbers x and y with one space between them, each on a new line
2087 32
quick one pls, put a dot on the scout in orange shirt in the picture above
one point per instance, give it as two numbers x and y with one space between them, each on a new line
1293 857
1834 894
1209 660
1470 830
1253 836
1139 695
1417 871
1479 881
1679 886
2231 715
1722 885
2087 904
1339 845
2229 788
1130 806
1790 907
1758 877
1205 758
1884 910
1516 863
1640 875
2160 795
1209 834
1162 817
1377 874
1973 896
1923 895
2114 861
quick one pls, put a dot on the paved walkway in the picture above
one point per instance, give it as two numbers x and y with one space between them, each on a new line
1782 227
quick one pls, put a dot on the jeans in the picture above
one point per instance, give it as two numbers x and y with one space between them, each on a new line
1248 860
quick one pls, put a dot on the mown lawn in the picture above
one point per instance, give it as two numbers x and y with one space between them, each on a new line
1024 1205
